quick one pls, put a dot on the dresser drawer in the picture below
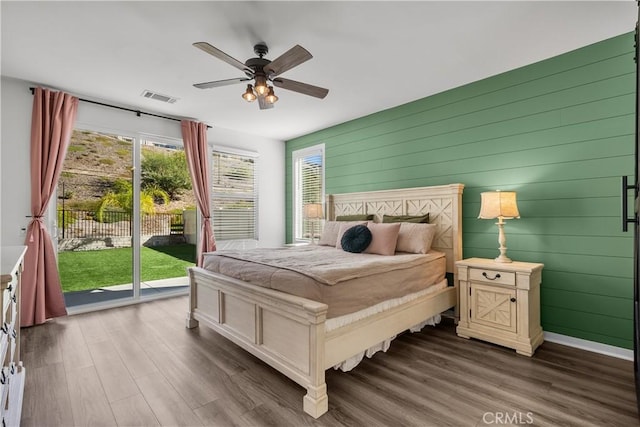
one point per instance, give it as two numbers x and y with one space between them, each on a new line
5 348
4 396
12 373
492 276
6 305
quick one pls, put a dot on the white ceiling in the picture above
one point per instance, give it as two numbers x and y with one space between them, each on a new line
370 55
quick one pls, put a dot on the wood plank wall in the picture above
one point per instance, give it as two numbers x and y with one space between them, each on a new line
559 132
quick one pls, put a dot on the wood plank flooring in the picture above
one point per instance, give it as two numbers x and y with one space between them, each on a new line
139 366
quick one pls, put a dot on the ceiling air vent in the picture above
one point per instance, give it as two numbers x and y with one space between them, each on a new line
159 97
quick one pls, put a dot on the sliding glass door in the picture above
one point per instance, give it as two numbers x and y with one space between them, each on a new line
123 206
94 212
167 218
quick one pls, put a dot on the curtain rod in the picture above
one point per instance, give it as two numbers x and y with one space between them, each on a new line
138 112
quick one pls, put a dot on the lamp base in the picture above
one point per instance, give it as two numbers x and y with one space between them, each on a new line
502 239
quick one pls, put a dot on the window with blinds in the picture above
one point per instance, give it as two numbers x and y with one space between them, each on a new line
235 196
308 189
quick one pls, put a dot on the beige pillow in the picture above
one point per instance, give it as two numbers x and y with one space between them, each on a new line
415 238
344 226
383 238
329 233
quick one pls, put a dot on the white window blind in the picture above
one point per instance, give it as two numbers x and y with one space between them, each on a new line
235 196
308 188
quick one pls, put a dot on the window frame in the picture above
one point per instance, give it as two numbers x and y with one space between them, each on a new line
297 205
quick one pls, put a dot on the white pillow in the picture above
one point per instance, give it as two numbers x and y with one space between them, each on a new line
415 238
331 232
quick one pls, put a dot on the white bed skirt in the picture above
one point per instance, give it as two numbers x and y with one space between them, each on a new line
341 321
352 362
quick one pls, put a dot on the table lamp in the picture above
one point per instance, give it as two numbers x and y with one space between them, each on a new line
313 211
501 205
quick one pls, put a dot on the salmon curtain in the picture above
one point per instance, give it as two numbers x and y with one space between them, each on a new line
194 136
52 121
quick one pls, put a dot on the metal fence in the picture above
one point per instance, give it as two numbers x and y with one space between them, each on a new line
82 224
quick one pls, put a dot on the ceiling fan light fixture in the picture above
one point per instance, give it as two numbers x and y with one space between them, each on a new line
263 74
249 96
271 97
261 86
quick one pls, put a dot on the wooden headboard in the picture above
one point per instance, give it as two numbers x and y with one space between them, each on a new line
442 202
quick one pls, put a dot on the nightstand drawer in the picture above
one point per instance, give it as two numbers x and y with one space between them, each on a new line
492 276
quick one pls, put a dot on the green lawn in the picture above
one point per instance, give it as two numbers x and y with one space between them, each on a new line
84 270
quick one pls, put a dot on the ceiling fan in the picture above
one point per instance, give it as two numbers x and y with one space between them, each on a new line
263 71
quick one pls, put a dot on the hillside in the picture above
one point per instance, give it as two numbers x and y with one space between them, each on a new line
93 162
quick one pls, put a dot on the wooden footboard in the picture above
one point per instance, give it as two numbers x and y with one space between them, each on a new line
285 331
288 332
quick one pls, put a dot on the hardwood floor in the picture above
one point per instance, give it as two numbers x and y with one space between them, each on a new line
139 366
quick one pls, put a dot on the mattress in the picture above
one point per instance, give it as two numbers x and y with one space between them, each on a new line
344 281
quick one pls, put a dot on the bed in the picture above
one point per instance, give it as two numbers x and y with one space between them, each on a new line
299 336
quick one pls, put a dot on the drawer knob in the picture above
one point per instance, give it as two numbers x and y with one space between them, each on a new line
513 299
497 276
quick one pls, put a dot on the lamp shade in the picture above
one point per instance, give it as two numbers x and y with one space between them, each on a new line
312 210
249 96
498 204
261 85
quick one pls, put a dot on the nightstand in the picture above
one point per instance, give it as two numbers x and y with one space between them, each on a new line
500 303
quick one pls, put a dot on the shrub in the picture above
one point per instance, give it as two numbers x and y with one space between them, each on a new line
165 171
69 218
121 199
76 148
104 140
83 205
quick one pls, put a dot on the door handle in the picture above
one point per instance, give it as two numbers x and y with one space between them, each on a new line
625 205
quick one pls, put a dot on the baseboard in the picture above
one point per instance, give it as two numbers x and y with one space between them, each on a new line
596 347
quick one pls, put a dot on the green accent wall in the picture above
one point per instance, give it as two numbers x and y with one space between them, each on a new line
560 132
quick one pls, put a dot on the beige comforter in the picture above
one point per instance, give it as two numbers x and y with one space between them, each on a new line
326 264
344 281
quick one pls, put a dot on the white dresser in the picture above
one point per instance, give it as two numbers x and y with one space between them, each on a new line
12 372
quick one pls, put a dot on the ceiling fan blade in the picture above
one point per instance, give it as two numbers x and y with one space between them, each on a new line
307 89
291 58
218 83
222 56
264 105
